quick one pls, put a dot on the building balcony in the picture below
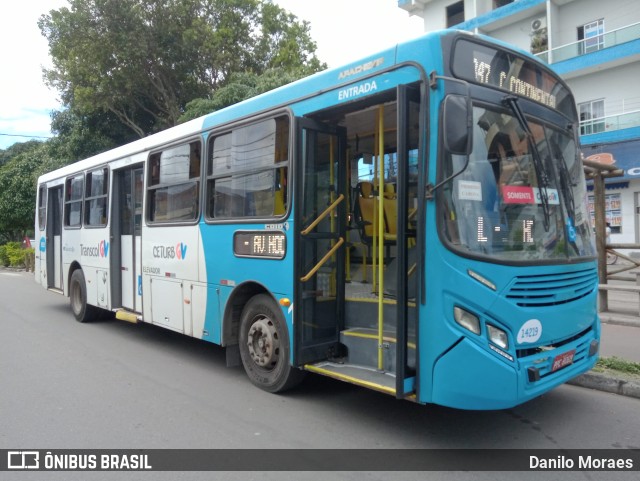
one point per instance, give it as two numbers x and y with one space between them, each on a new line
626 120
592 45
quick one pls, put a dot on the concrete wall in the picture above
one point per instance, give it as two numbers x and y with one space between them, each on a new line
518 33
435 17
616 85
616 14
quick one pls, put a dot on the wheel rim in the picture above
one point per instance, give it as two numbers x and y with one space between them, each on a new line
76 301
264 342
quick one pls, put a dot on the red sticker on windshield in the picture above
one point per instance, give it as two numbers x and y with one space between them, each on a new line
518 195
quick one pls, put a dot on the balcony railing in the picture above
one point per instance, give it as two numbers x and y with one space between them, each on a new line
612 122
592 44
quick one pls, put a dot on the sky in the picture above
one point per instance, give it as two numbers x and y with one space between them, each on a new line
344 30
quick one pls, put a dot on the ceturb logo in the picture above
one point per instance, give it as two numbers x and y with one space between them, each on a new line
101 250
179 251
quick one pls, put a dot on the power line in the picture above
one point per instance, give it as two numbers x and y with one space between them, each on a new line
27 136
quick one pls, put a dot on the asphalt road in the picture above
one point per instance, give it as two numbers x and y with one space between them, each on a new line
112 385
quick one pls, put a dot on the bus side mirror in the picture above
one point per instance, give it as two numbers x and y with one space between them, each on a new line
456 122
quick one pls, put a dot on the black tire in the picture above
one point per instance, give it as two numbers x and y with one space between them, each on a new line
78 298
264 346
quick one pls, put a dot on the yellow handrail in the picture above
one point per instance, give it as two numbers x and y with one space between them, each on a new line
323 260
381 238
323 215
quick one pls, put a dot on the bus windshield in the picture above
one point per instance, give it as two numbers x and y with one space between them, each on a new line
521 197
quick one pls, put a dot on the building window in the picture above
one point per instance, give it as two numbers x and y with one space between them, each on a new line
591 117
73 201
591 36
247 171
455 14
174 184
501 3
96 196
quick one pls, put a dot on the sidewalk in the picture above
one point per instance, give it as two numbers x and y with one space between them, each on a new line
624 307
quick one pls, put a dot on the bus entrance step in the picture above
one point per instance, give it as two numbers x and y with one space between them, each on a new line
362 347
127 316
362 312
361 376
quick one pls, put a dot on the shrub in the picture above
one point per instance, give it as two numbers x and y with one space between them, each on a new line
619 365
12 254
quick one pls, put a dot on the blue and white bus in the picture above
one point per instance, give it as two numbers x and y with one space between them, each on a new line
414 223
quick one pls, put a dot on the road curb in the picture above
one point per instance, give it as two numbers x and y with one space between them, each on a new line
607 383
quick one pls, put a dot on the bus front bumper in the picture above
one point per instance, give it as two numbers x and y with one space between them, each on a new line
470 377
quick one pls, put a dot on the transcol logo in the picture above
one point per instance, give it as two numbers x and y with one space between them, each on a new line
179 251
101 250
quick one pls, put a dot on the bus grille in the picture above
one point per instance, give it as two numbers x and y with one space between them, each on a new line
542 358
552 289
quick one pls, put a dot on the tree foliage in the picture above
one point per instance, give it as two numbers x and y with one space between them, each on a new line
16 149
142 61
128 68
18 179
81 136
241 86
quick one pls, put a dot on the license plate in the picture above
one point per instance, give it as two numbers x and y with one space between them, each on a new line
563 360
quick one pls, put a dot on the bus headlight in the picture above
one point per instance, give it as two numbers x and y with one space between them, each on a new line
497 336
467 320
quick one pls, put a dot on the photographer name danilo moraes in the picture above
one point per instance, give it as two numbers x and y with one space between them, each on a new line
583 462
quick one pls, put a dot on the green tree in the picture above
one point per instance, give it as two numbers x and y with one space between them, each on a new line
81 136
241 86
17 192
18 180
142 61
16 149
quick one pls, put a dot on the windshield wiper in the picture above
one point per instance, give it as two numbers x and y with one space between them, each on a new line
566 187
541 174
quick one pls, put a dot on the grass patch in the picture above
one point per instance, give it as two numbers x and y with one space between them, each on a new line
617 364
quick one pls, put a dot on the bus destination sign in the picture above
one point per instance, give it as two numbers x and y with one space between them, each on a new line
507 71
507 80
263 244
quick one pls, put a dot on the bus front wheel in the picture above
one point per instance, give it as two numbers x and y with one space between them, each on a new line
264 346
78 298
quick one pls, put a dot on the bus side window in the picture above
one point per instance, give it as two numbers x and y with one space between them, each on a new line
73 201
96 197
174 183
42 207
247 171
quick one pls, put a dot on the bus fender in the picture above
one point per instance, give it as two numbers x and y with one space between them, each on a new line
233 311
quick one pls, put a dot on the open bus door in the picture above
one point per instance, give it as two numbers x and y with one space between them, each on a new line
410 250
126 256
320 240
360 327
54 239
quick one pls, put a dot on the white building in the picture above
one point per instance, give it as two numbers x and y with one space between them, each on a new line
595 46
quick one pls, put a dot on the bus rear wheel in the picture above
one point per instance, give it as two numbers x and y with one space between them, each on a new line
78 298
264 346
